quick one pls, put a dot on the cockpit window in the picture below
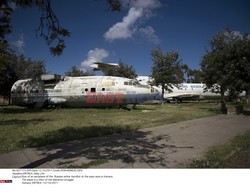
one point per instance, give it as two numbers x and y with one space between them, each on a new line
131 83
135 83
143 86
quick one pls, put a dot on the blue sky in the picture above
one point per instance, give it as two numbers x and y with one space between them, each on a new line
98 34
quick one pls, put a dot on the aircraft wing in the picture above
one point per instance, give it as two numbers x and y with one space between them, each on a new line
99 66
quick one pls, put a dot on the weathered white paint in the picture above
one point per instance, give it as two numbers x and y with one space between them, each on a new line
73 91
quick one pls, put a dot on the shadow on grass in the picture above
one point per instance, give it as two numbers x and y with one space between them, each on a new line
213 110
246 112
127 147
71 133
22 122
18 110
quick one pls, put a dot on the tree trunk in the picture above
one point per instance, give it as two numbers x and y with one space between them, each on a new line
162 94
223 103
9 98
247 96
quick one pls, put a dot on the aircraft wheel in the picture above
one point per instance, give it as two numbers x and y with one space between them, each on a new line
179 101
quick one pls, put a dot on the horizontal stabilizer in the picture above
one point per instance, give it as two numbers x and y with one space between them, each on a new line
99 66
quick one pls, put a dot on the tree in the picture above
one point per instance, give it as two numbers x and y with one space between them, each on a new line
167 70
13 68
194 76
123 70
49 28
27 68
226 65
75 72
8 76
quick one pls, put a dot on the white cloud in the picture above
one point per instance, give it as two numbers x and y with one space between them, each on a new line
95 55
19 43
139 10
146 4
124 29
149 34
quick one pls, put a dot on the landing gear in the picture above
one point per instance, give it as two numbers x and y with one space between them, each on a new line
167 101
125 108
179 101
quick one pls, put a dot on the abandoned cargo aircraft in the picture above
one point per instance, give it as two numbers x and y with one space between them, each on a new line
85 91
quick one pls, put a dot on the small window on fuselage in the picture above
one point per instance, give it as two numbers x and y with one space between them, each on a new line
103 89
92 89
86 89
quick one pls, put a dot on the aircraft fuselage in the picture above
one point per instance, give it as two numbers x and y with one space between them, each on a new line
86 91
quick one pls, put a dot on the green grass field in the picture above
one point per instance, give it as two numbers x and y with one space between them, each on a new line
233 154
21 127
